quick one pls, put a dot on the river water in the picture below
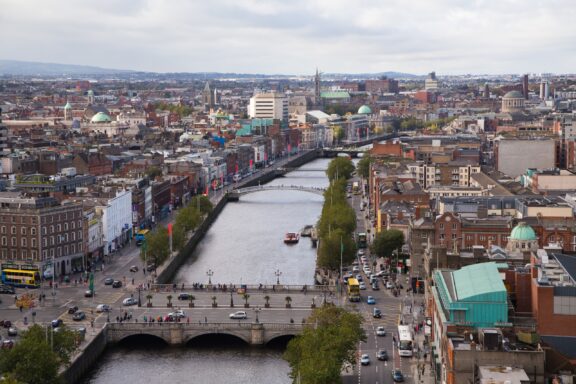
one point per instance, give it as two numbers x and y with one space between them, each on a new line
244 245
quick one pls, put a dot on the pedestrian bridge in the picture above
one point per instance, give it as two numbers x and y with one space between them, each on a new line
181 333
235 194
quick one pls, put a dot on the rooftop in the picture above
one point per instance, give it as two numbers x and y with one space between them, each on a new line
474 281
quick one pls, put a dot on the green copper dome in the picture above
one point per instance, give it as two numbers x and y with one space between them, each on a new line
364 110
67 106
100 117
523 232
513 95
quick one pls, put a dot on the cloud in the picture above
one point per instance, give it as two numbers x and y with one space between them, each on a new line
279 36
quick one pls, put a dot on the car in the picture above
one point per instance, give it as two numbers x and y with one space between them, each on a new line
108 281
238 315
117 284
380 331
134 268
389 285
375 286
179 314
184 296
151 267
72 309
397 376
361 252
12 331
376 313
362 286
355 269
129 301
7 344
103 308
79 316
89 293
359 278
6 323
365 359
355 262
56 323
7 289
370 300
382 355
348 196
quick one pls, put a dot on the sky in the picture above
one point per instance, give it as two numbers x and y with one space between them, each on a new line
450 37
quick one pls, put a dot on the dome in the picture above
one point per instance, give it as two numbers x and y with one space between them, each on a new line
523 232
100 117
364 110
513 95
67 106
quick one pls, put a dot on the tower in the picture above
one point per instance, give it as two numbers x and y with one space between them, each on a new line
207 96
67 112
317 88
90 96
525 86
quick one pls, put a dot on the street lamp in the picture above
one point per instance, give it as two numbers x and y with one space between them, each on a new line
210 273
257 310
278 274
231 299
139 299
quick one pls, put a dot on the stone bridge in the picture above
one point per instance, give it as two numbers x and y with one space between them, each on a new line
181 333
235 194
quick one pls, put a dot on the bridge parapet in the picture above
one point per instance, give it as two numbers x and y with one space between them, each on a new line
180 333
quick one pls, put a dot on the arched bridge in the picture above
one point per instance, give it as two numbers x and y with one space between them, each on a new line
181 333
235 194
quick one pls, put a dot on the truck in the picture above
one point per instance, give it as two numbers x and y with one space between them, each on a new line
355 188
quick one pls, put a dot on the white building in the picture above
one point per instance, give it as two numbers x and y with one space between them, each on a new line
116 220
268 106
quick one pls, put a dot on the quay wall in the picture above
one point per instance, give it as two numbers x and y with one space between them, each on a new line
87 357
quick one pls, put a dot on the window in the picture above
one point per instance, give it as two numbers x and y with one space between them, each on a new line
73 248
73 224
51 252
65 226
79 235
66 250
14 254
3 230
59 253
33 231
45 241
4 241
441 226
23 230
73 236
33 242
59 228
79 247
459 316
454 226
51 229
34 254
13 229
24 242
44 231
442 236
13 241
482 238
24 254
453 236
52 240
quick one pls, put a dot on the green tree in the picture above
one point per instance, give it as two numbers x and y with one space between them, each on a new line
363 166
340 168
386 242
327 342
64 341
188 218
332 245
157 246
202 203
338 133
178 237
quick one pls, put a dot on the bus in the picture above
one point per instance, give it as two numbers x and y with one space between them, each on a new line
21 275
141 236
361 240
353 290
405 341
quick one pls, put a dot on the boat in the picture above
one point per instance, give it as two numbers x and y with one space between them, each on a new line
306 231
314 237
291 238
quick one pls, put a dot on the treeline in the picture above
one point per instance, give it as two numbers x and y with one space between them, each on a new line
338 219
156 249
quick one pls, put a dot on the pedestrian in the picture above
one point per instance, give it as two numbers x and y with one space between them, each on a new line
21 308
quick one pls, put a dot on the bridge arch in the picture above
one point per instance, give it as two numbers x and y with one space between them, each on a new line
236 193
280 338
142 335
237 335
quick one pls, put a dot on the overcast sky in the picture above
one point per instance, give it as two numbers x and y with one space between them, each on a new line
295 36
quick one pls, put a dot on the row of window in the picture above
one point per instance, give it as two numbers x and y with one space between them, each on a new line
45 230
23 253
46 241
45 219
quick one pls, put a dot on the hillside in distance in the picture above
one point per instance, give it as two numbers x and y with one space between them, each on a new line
29 68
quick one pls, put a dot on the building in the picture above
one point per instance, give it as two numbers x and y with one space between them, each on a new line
512 101
3 139
42 231
269 106
549 180
514 156
208 100
453 173
431 82
380 86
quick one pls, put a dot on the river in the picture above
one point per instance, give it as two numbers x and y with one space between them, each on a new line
244 245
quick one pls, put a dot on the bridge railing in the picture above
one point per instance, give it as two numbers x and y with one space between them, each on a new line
135 327
243 288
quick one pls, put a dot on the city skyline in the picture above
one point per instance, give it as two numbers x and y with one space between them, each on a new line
271 37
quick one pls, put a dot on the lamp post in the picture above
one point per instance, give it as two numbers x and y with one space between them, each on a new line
257 310
210 273
231 299
139 299
278 273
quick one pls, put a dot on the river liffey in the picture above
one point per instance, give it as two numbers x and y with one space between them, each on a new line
244 246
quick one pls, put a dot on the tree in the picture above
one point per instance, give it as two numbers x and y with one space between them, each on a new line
328 341
157 246
338 133
188 218
202 203
332 245
340 168
363 166
178 237
386 242
36 359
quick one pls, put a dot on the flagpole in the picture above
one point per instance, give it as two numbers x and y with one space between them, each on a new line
340 277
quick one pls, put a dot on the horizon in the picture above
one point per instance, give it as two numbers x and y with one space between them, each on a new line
450 37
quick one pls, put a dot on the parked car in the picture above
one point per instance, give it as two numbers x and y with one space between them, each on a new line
382 355
365 359
12 331
6 323
89 293
389 285
108 281
103 308
56 323
72 309
117 284
7 289
239 315
79 316
129 301
397 376
375 286
134 268
151 267
370 300
380 331
376 313
7 344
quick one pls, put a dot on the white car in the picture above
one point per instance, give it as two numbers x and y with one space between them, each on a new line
365 359
362 286
361 252
129 301
389 285
239 315
355 269
103 308
179 314
367 271
380 331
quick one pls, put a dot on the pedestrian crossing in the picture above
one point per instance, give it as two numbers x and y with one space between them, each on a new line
109 298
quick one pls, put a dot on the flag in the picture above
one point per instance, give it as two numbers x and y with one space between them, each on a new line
170 229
